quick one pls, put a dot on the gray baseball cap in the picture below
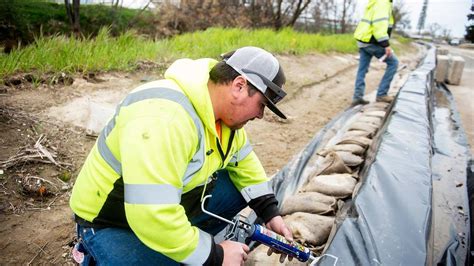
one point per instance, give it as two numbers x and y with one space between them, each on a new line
261 69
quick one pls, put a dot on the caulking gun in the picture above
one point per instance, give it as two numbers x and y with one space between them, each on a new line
241 231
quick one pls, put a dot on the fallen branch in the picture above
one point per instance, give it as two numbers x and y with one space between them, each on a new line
38 153
39 251
43 150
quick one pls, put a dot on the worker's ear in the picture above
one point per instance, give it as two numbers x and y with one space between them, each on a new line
239 87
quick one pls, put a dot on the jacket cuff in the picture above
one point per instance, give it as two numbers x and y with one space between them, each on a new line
384 43
216 257
266 207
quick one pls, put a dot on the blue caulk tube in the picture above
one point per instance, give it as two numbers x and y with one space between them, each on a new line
258 233
278 242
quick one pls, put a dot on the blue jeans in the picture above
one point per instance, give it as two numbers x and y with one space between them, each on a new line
366 54
120 246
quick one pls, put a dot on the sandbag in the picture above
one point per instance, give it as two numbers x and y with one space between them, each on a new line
375 106
308 228
375 120
358 140
310 202
380 114
355 133
363 126
332 164
350 159
352 148
337 185
381 104
259 256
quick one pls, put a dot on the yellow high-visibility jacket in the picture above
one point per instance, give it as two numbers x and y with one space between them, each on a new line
376 24
162 143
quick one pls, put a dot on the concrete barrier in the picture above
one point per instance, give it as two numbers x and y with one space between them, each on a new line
442 51
456 67
442 67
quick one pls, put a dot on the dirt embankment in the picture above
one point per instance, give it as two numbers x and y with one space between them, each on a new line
36 223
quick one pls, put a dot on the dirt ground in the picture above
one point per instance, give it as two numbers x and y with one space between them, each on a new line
42 127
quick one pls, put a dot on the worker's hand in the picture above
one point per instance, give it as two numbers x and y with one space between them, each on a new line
235 253
277 225
388 51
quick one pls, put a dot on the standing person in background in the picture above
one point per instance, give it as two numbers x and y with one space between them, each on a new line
137 198
373 34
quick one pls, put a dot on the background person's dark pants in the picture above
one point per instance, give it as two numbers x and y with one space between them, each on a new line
119 246
366 54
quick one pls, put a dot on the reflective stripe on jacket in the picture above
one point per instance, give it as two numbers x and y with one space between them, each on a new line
376 24
155 148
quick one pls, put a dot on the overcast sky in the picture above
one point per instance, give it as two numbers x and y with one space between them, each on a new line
450 14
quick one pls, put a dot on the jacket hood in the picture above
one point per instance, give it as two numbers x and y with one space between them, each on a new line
370 4
192 77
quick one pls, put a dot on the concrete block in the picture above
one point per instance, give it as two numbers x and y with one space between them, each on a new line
456 67
442 51
442 67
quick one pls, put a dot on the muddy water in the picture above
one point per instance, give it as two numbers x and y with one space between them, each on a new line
450 213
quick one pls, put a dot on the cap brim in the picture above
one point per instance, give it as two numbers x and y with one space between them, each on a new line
273 108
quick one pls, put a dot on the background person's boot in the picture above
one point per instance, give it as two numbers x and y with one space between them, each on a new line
385 99
358 101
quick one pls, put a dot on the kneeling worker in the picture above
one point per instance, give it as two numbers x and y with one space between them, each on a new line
137 197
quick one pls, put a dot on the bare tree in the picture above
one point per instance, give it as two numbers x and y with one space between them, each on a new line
287 12
401 16
73 15
137 15
322 11
319 16
445 34
335 14
434 29
297 10
348 7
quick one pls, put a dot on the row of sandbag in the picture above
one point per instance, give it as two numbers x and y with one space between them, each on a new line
311 212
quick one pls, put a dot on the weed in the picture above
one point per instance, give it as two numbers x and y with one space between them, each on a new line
65 176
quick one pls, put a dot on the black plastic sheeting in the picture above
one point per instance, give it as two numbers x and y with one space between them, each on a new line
413 205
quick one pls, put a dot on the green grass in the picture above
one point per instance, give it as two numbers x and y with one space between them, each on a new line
65 54
103 53
215 41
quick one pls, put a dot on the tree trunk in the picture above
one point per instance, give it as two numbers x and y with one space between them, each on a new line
277 17
76 26
343 17
73 15
69 11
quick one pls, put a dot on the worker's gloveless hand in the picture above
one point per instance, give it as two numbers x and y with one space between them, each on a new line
388 51
235 253
277 225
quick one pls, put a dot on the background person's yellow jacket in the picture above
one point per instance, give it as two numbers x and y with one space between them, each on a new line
376 24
